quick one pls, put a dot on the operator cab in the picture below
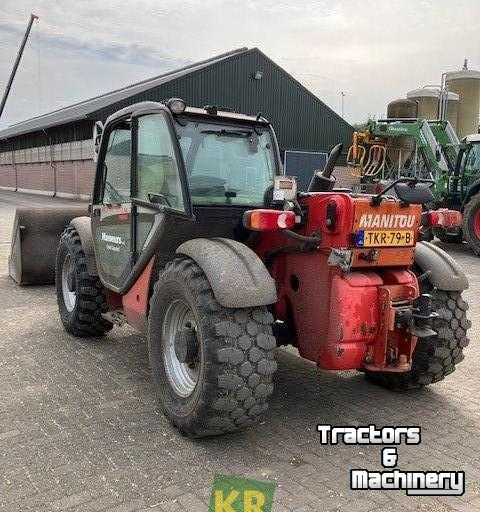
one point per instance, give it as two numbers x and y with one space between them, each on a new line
471 152
466 169
167 173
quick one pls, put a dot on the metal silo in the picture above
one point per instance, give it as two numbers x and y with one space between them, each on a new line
466 83
428 108
402 109
427 100
452 109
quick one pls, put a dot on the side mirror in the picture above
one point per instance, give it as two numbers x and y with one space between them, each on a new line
97 138
414 193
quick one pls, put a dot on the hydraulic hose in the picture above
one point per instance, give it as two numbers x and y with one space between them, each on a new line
315 239
309 243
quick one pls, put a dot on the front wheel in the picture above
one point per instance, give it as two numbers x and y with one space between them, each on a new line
212 366
434 357
471 224
80 296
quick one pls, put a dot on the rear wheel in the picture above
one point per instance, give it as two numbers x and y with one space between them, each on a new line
435 357
449 238
471 224
80 296
212 366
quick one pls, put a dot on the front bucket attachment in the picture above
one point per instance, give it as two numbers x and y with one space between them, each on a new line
35 236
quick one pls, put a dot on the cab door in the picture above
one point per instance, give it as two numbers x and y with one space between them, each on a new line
159 184
112 207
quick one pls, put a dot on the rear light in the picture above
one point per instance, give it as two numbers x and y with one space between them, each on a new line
442 218
268 220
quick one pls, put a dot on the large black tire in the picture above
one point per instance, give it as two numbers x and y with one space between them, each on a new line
235 363
449 238
82 317
471 217
435 357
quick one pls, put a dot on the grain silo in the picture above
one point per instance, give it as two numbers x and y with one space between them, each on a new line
402 109
466 83
427 100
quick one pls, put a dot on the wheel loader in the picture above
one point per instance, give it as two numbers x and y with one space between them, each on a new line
196 238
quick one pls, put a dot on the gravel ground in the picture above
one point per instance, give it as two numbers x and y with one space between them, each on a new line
80 431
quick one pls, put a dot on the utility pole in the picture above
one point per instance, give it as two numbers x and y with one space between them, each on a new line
33 17
342 96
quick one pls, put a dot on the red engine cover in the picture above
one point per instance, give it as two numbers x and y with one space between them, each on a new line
344 320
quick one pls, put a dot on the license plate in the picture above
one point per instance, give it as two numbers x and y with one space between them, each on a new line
384 238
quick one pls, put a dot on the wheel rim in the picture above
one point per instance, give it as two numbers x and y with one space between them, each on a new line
183 377
476 223
68 283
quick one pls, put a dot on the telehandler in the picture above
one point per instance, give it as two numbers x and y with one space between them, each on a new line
196 238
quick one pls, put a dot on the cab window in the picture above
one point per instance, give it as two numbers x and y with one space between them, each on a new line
473 158
227 164
157 169
116 187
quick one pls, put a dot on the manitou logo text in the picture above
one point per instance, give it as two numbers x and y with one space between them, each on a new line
112 239
370 220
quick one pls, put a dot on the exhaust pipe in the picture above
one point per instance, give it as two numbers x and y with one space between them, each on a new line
323 181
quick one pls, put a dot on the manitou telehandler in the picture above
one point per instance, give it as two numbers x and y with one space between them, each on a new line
196 238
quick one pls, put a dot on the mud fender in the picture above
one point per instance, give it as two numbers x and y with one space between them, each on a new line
238 277
83 225
444 271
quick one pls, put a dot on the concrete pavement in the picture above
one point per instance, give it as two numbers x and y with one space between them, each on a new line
80 430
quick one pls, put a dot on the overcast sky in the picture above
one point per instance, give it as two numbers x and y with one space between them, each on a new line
375 51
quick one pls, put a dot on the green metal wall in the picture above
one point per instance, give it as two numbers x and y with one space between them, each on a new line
301 120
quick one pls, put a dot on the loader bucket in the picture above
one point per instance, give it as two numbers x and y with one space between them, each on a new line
35 236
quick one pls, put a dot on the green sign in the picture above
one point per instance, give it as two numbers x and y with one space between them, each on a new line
234 494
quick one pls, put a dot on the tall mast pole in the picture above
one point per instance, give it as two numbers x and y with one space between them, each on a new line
33 17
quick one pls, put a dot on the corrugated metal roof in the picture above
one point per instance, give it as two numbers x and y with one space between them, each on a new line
82 109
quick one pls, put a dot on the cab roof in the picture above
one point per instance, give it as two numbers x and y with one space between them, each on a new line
152 106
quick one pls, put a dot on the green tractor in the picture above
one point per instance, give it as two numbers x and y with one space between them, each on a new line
389 149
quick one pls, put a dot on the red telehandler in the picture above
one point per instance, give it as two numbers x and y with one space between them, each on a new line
196 238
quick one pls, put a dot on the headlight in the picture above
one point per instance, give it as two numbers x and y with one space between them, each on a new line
176 105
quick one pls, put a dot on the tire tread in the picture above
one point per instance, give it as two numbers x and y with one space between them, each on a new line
434 357
233 399
86 320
